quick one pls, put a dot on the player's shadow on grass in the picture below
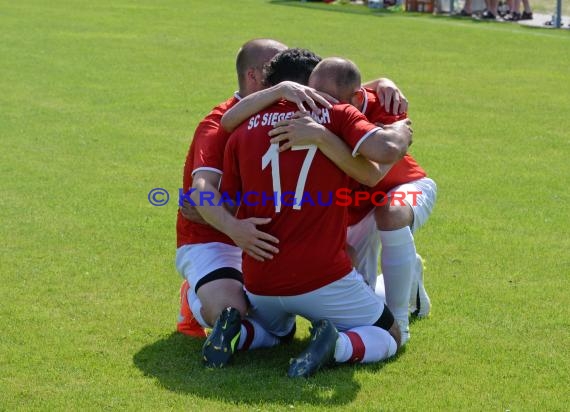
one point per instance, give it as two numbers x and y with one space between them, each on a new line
254 378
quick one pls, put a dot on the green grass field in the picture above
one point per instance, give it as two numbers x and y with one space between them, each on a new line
98 103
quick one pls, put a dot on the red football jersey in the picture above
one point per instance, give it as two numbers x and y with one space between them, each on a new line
206 153
405 171
296 189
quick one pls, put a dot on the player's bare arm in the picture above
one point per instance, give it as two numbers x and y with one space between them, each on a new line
302 129
387 146
391 97
302 96
244 232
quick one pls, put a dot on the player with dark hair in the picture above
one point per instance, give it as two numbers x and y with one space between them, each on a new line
295 65
210 261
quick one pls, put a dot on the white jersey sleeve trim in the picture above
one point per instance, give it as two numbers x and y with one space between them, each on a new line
362 139
206 169
365 104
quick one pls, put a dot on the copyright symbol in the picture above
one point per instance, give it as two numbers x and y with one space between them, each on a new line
158 196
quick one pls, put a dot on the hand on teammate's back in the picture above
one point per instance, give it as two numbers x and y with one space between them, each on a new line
253 241
190 213
300 130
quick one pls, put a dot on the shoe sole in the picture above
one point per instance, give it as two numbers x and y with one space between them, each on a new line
218 349
319 353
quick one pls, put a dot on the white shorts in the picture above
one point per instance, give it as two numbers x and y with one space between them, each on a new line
365 238
193 262
424 202
347 303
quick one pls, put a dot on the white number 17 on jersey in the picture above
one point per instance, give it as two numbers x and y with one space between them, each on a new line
271 157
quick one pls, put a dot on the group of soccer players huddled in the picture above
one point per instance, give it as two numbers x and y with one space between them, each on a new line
272 243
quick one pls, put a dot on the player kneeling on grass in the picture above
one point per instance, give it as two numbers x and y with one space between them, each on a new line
312 275
407 201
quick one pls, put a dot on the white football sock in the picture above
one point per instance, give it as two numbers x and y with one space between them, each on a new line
253 336
398 263
364 344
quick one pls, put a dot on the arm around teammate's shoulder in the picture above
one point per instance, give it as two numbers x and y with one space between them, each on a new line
302 96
